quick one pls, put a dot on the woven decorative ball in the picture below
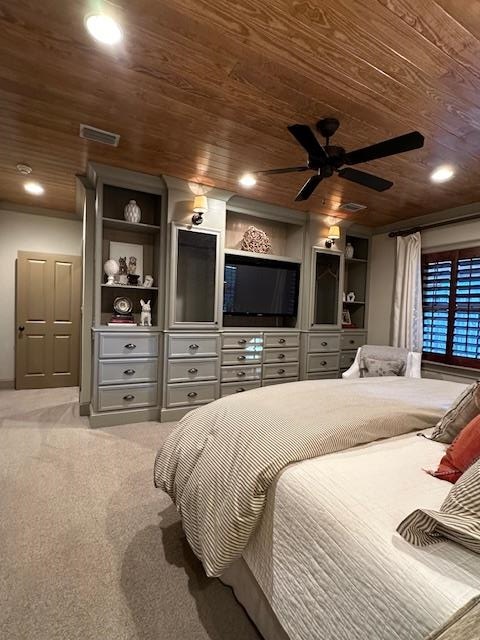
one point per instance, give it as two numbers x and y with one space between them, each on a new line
256 240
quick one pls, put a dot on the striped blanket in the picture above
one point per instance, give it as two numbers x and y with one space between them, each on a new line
219 462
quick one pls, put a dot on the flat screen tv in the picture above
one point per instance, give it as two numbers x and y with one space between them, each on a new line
260 287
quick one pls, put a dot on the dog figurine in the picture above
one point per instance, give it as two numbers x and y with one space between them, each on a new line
146 315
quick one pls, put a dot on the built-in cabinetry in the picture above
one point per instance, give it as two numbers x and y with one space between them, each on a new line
200 347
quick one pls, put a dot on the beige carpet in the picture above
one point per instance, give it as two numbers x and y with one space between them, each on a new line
88 548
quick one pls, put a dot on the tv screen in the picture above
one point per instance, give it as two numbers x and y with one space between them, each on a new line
261 287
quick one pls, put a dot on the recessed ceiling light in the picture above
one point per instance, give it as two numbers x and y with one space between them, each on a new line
104 29
34 188
442 174
248 180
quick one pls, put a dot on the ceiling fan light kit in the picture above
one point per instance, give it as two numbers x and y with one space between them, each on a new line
328 159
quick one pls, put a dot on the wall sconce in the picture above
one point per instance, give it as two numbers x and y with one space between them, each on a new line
333 234
200 207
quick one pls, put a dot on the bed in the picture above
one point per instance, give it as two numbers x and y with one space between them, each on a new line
318 555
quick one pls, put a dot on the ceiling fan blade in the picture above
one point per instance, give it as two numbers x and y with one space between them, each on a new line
272 172
407 142
308 188
365 179
305 137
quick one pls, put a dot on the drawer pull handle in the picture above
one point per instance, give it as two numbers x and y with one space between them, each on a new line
240 374
281 356
280 371
130 346
129 396
193 346
323 363
193 370
192 394
241 357
242 341
129 372
324 344
240 389
282 341
352 341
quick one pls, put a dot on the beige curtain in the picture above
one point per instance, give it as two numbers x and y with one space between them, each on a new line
407 306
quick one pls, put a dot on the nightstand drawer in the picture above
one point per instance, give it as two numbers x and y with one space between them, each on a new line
280 355
346 359
235 374
192 346
282 340
353 340
320 342
252 355
180 395
127 345
230 388
127 397
192 370
241 340
280 371
127 371
322 362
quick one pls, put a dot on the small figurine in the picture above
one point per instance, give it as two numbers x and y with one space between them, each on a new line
351 297
146 315
132 265
123 270
148 282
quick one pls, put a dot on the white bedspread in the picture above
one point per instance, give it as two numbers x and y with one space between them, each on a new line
327 545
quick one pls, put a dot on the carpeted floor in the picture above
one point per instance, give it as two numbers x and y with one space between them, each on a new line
88 548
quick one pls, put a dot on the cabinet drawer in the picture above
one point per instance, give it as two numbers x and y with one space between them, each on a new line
192 370
234 374
320 342
230 388
241 340
353 340
280 371
346 359
268 383
322 362
192 346
281 340
127 397
322 376
127 371
127 345
281 355
181 395
252 355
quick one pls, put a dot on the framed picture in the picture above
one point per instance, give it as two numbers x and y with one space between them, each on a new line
346 319
129 258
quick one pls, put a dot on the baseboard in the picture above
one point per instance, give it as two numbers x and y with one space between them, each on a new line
128 416
84 408
7 384
172 415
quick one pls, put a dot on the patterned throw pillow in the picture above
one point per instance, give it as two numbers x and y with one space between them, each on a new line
463 409
461 454
375 368
457 520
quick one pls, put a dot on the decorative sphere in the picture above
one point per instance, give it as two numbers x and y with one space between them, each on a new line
111 267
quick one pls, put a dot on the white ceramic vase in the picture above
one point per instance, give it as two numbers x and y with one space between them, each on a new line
349 251
132 212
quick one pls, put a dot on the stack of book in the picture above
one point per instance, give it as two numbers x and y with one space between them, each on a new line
118 318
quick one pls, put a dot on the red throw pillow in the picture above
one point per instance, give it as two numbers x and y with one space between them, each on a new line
461 454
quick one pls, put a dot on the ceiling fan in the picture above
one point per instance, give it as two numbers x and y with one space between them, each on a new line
327 159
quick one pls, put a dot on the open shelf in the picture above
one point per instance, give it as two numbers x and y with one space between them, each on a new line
124 225
361 260
128 286
358 302
263 256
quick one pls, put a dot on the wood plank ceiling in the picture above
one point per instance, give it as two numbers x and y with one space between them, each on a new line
205 89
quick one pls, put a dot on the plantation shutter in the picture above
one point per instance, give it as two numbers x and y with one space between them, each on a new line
467 305
437 281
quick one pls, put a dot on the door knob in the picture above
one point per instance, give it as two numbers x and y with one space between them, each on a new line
21 328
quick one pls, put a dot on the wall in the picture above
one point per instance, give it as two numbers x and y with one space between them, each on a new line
27 232
381 282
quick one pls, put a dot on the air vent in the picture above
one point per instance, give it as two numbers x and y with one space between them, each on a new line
351 207
98 135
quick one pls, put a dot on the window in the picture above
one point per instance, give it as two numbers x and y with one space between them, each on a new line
451 307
